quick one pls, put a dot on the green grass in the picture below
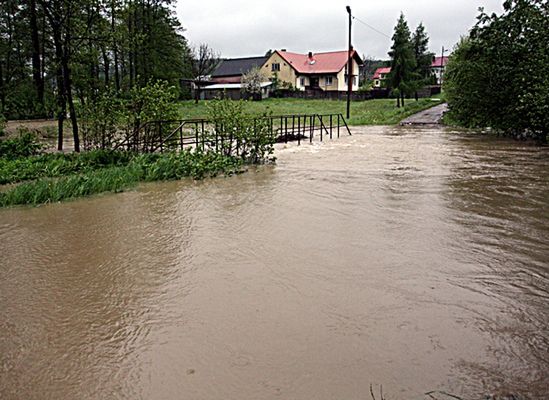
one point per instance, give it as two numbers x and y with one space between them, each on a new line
117 178
59 164
370 112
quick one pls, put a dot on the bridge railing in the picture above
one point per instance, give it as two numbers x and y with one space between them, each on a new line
169 135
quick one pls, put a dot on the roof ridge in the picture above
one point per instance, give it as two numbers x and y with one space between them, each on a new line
242 58
320 52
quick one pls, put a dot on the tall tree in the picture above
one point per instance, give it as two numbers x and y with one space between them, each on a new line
36 56
403 61
62 15
422 70
204 61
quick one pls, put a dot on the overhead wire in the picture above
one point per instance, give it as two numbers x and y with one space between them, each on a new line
371 27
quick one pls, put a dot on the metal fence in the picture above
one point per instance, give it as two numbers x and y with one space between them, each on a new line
204 134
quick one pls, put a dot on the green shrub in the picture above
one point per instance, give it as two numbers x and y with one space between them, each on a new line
245 135
2 125
24 145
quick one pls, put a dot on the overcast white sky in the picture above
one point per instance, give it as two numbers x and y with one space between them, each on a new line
240 28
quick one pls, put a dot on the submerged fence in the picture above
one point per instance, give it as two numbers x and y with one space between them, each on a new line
159 136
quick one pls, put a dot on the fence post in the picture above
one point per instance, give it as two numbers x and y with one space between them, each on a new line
321 124
298 130
286 129
202 134
311 128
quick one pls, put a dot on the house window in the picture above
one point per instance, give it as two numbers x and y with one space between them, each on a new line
302 82
328 80
354 80
275 67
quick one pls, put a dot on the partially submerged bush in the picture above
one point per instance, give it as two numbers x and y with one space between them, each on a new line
245 135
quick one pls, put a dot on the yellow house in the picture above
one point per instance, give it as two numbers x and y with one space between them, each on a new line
320 71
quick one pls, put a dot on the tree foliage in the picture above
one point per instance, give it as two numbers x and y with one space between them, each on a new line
63 56
252 80
403 62
248 136
498 77
422 70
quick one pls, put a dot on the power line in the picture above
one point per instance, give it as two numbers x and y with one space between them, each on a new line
371 27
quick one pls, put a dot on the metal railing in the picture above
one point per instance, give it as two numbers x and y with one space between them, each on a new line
158 136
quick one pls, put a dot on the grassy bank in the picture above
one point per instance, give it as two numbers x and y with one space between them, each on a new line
83 177
59 164
370 112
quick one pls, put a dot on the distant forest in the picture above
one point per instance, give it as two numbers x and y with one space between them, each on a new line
58 55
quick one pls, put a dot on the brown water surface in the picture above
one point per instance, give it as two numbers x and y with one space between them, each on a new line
416 259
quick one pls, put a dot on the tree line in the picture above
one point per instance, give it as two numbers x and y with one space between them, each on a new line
410 61
58 56
498 75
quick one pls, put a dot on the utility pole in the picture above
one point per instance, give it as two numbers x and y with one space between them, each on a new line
442 66
349 67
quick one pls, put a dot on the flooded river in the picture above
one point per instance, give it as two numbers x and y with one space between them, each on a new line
416 259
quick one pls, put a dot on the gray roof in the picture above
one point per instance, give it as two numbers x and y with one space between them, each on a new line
238 66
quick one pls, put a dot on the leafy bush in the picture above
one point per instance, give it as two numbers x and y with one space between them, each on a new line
154 102
24 145
2 125
99 120
498 77
244 135
108 118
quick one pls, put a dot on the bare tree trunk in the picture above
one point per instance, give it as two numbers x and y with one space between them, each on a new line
115 47
2 92
36 69
106 64
130 44
61 104
67 80
72 111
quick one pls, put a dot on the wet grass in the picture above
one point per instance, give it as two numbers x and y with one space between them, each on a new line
59 164
369 112
118 178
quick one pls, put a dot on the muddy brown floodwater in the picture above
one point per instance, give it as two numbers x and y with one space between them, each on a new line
413 258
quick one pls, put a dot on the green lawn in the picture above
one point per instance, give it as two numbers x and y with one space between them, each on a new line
370 112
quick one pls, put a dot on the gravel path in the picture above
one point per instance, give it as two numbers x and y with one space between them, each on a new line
431 116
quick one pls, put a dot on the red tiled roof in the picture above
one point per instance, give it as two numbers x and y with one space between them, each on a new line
382 70
436 61
321 63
